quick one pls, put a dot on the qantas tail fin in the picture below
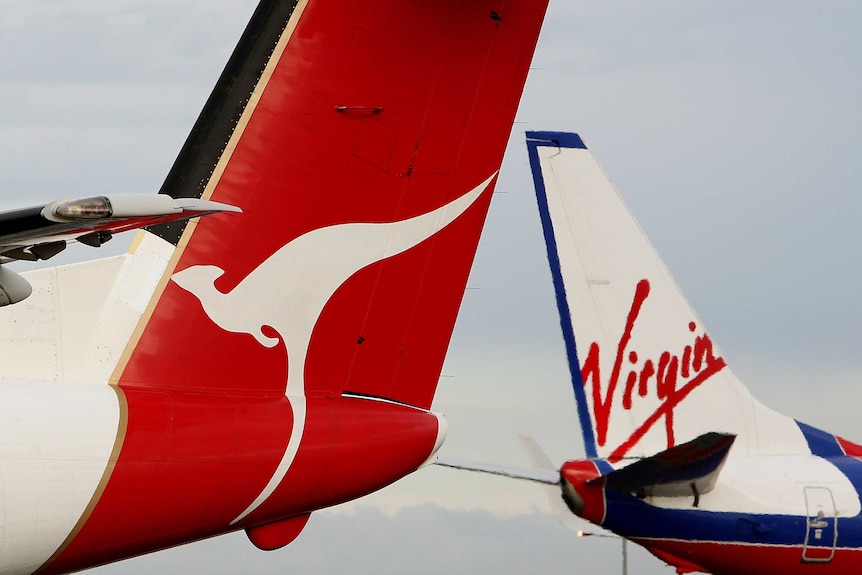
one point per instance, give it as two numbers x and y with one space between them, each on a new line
286 359
362 142
646 374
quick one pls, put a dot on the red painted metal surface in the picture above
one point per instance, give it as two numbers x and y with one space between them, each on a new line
740 559
578 475
278 534
377 111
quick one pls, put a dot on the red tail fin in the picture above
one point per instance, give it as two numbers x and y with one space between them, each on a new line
376 113
361 139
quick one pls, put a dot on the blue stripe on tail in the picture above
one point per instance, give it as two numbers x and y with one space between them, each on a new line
561 140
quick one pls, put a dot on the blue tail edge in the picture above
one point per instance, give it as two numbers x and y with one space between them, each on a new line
535 140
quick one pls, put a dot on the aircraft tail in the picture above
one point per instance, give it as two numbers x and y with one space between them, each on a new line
362 142
289 354
646 374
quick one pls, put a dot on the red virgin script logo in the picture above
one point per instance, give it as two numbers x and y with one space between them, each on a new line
670 378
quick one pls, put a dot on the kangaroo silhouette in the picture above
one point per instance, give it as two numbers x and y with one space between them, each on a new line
288 291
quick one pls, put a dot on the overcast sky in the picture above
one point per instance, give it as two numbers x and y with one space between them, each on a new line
732 129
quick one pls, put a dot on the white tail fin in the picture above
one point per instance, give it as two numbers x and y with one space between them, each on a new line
646 375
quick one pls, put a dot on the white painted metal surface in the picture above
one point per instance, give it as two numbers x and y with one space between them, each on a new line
604 255
55 444
80 317
292 306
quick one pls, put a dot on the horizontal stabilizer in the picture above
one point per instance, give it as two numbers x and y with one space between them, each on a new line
687 469
541 462
41 232
546 476
543 472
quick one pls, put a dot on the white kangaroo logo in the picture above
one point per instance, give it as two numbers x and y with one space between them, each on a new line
289 290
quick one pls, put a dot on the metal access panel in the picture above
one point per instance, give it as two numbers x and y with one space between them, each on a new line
821 529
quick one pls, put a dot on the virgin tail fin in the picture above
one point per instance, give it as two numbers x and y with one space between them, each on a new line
645 372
